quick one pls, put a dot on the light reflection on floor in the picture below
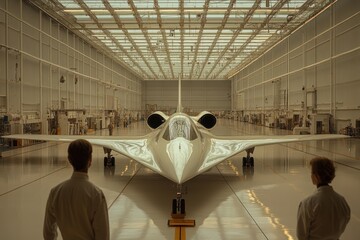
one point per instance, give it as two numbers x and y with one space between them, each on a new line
227 202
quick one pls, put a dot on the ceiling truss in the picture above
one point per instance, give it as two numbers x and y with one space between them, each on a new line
194 39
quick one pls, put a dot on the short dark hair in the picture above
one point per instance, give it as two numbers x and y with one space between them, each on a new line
79 154
324 168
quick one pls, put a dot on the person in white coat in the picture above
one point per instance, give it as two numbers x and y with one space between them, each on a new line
77 206
324 214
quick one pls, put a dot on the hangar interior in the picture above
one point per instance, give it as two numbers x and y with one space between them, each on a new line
56 76
59 75
264 66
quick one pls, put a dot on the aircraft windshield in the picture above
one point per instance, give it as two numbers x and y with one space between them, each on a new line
179 127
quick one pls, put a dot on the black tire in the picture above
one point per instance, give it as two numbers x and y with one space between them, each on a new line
112 162
244 161
174 206
105 161
182 206
251 161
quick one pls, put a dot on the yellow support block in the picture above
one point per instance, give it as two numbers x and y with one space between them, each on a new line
181 222
180 233
180 227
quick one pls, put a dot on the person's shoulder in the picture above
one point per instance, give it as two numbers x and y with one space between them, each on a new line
329 191
97 193
339 196
60 185
309 199
58 188
95 187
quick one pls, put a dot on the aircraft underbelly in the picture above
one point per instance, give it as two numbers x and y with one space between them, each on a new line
181 159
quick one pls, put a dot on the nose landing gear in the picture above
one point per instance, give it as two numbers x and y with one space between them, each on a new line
178 204
178 215
178 207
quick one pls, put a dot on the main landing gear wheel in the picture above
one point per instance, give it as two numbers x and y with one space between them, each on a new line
109 160
248 161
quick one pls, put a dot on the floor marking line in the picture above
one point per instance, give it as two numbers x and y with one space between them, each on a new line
27 149
28 183
242 203
313 154
117 197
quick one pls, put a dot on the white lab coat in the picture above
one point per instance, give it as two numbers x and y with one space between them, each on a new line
323 215
78 208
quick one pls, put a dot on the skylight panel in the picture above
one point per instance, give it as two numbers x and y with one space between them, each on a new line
246 31
118 4
125 42
245 3
126 17
94 3
168 17
98 31
218 4
135 32
266 33
296 3
146 17
135 41
209 31
193 3
154 32
143 3
69 4
82 17
116 31
104 17
168 4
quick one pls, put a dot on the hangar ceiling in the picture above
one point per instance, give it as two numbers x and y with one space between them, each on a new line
197 39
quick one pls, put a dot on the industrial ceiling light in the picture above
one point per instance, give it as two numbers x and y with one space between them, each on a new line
62 79
172 32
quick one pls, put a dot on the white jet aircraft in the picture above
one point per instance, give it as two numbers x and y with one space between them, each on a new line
180 146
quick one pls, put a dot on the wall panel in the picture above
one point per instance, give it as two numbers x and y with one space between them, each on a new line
322 58
196 95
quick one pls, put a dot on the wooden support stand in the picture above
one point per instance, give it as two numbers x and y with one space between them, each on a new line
180 225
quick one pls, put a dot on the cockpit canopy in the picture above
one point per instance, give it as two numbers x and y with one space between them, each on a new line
180 126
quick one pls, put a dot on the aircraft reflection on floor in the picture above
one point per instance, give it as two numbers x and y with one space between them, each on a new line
133 209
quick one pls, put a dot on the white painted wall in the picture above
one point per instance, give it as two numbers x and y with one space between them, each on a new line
36 51
324 55
196 95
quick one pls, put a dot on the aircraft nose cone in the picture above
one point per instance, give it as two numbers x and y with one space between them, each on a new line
179 151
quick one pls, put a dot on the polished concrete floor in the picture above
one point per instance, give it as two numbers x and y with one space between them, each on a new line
227 202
